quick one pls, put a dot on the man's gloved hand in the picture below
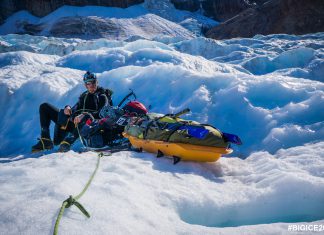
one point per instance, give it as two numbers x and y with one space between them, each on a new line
67 110
78 119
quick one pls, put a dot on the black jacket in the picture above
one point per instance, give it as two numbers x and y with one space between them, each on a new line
91 103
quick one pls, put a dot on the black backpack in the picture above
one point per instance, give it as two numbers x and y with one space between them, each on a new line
105 91
109 93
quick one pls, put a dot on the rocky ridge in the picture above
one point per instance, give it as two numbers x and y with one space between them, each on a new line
42 8
274 17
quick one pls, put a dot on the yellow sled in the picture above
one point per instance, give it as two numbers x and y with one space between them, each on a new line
179 151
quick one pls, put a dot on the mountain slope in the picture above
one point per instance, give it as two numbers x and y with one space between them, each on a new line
42 8
274 17
111 23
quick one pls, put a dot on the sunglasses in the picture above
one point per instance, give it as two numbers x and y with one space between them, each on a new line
91 82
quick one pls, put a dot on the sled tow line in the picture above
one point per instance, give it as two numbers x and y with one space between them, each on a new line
74 200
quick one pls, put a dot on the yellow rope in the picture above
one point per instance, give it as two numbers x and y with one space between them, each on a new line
65 142
42 141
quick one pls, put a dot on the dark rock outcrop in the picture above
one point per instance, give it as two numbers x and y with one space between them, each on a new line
222 10
93 27
274 17
259 2
219 10
42 8
188 5
86 27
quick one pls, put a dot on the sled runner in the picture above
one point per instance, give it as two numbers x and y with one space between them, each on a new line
179 151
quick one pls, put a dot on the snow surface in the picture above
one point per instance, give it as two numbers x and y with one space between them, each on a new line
139 194
276 178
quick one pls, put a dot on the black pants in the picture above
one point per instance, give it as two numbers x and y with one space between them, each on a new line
48 113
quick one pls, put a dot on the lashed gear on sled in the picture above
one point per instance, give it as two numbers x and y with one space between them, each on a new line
175 130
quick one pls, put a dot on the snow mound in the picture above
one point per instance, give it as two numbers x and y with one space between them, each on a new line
294 56
267 188
139 53
288 59
25 58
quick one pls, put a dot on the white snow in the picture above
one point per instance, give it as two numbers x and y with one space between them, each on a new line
268 90
139 194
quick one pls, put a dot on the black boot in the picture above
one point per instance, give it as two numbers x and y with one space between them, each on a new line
44 143
59 135
67 143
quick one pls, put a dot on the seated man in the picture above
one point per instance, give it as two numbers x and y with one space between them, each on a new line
90 101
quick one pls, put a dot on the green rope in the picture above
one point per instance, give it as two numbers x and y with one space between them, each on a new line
73 200
81 139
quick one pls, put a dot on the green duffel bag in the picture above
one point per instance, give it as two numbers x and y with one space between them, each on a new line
165 128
